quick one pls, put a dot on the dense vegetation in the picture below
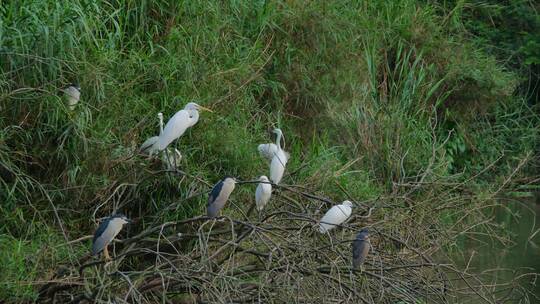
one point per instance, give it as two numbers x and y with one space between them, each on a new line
390 103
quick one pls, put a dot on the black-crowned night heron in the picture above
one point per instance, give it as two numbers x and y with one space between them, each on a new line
360 248
149 146
337 215
179 123
263 192
219 195
106 232
73 95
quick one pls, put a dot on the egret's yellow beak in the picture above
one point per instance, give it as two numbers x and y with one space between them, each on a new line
206 109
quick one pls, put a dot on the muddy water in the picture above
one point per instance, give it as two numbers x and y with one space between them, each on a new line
521 218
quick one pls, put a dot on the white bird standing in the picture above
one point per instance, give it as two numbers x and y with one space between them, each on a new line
337 215
263 192
73 95
269 150
149 146
279 159
179 123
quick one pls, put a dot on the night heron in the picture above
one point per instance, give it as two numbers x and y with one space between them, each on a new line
179 123
106 232
263 192
219 195
149 146
360 248
337 215
73 95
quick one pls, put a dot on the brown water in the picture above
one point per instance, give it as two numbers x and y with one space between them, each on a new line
521 218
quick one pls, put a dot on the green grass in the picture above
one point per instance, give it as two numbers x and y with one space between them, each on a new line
363 91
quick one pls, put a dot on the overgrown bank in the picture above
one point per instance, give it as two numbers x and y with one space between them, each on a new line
381 102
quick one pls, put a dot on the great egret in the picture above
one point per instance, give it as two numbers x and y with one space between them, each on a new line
360 248
172 157
178 124
219 195
149 146
73 95
106 232
263 192
335 216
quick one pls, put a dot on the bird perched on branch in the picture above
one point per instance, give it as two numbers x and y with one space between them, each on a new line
263 192
106 232
179 123
269 150
73 95
219 195
149 146
360 248
279 157
337 215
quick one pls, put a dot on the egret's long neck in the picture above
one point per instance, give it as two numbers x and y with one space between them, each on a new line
160 125
278 140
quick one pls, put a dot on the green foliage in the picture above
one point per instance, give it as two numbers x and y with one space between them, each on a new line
367 92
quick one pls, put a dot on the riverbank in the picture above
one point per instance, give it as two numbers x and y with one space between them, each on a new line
390 104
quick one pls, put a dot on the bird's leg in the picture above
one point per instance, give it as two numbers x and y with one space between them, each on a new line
106 253
167 159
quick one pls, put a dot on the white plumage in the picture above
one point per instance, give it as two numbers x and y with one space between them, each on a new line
276 155
263 193
277 166
73 95
179 123
149 146
337 215
267 150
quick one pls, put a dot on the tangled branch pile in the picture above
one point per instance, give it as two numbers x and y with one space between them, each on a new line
278 256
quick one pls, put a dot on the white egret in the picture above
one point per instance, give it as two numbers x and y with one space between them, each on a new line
73 95
106 232
337 215
219 195
149 146
263 193
269 150
179 123
279 158
277 166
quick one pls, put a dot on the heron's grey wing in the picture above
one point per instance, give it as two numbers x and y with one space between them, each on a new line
97 242
212 210
215 192
98 245
360 250
220 198
148 144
